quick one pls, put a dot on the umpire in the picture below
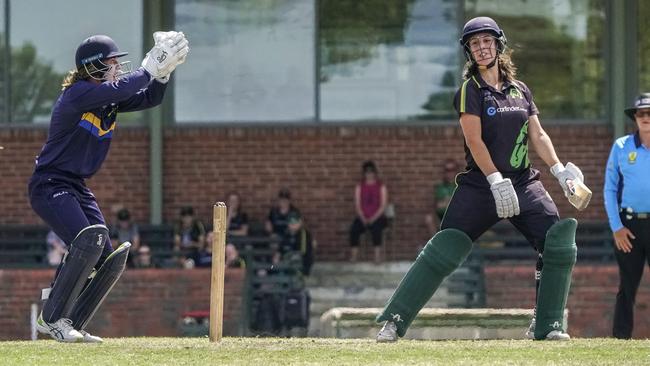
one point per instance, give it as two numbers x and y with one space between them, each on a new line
627 192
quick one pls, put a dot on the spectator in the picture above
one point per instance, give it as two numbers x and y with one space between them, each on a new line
370 201
189 237
127 230
237 219
442 195
297 244
143 259
626 194
56 249
204 256
278 219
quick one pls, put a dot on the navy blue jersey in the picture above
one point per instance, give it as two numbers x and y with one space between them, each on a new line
504 121
83 121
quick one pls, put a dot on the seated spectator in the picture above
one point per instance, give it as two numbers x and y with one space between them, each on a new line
297 244
204 256
189 237
370 201
237 219
126 230
442 195
278 219
143 258
56 249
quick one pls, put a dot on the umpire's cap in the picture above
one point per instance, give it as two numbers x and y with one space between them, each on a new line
641 102
97 47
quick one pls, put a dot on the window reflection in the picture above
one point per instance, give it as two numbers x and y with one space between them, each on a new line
249 61
643 45
558 49
387 59
44 36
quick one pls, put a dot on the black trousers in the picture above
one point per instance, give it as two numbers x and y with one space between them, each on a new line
630 269
375 228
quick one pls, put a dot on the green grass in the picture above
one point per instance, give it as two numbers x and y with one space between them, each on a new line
320 351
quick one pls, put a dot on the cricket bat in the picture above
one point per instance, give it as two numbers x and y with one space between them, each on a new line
579 194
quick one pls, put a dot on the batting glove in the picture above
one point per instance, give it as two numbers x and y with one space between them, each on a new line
504 194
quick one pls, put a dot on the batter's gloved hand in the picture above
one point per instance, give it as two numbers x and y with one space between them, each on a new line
504 194
569 173
169 52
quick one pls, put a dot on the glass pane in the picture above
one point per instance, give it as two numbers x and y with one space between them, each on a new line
248 61
44 38
644 45
388 59
558 50
3 66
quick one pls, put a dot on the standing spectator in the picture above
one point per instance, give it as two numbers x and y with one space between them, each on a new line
442 195
237 220
127 230
56 249
626 195
370 200
278 218
189 236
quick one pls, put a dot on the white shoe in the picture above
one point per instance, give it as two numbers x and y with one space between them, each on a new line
89 338
61 330
530 332
557 335
388 333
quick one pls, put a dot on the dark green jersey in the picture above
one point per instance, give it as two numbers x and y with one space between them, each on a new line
504 121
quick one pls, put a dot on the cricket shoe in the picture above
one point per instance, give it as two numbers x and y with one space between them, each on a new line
557 335
388 333
61 330
89 338
530 332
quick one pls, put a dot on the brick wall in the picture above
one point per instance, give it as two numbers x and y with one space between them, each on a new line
142 303
320 164
591 300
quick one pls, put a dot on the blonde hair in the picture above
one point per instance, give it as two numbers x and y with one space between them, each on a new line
507 68
75 75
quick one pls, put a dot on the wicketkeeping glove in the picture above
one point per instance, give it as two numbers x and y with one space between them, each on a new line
170 50
504 194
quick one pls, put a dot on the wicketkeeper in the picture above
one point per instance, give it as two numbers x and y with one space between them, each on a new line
81 129
498 118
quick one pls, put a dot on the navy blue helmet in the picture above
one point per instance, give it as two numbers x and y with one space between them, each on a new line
96 48
480 25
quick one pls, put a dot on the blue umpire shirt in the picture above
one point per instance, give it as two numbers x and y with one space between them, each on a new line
627 179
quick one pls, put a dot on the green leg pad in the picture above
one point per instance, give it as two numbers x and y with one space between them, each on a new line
445 252
559 257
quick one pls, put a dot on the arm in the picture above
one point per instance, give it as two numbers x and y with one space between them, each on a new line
471 125
145 98
541 141
89 96
357 203
610 191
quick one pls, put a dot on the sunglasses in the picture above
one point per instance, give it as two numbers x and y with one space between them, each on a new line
642 113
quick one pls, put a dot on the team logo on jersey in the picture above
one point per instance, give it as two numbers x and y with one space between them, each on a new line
631 157
515 93
519 156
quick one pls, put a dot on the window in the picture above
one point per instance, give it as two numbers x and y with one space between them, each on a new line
249 61
558 49
643 46
388 59
43 43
